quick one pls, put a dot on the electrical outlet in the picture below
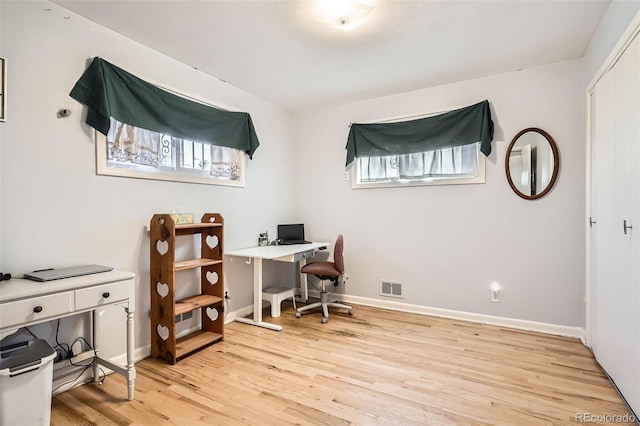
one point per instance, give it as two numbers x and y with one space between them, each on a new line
495 288
226 295
346 176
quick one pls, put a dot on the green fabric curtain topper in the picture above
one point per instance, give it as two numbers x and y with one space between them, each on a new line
463 126
110 91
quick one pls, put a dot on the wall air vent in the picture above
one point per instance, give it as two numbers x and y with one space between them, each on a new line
391 288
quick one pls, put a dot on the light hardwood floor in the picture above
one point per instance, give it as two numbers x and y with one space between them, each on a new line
378 367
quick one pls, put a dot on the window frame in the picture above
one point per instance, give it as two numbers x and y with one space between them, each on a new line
179 175
480 179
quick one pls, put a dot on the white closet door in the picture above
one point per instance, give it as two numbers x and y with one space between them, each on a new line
626 371
603 300
631 100
615 297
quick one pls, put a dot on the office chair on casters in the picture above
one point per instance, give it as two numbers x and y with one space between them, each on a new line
331 271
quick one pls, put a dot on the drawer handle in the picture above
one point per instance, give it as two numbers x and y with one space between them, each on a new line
37 309
106 295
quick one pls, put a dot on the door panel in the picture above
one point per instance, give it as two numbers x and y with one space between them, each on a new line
603 131
615 289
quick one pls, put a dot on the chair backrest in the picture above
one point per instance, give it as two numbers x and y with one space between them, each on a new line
338 257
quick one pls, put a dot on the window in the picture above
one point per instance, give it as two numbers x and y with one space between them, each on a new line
133 152
167 135
457 165
437 149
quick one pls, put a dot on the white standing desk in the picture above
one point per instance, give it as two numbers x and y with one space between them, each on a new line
290 253
25 302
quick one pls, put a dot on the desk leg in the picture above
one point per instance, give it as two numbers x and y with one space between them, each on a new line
131 371
304 289
257 300
95 316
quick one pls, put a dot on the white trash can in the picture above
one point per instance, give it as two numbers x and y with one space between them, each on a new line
26 377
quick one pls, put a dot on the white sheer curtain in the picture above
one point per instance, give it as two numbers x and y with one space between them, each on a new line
131 144
445 163
225 162
135 146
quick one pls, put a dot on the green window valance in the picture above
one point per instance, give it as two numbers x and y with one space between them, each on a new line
463 126
110 91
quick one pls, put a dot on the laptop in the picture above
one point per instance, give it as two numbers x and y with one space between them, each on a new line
58 274
291 234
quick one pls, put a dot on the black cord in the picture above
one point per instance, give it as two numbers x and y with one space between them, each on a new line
57 331
88 346
63 349
104 376
82 339
85 367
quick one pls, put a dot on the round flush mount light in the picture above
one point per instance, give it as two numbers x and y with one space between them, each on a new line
344 14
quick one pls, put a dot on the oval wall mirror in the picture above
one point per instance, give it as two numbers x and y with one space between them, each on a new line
532 163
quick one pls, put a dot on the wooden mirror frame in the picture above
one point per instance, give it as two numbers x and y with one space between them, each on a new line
556 163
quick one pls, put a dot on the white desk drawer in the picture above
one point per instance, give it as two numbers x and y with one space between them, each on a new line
100 295
35 308
304 255
296 257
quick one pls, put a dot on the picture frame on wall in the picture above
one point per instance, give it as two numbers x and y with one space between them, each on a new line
3 89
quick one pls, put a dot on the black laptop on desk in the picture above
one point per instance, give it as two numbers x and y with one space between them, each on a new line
291 234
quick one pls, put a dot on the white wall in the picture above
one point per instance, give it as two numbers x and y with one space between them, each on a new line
57 212
448 243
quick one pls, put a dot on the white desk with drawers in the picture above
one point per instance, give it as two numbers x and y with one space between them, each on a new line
24 303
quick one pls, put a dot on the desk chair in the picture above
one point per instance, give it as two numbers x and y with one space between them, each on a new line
331 271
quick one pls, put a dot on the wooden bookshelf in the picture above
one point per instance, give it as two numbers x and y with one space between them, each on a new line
209 300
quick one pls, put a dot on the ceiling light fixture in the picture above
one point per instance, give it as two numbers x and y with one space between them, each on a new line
344 14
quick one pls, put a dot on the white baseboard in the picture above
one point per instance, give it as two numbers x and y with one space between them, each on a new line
231 316
519 324
138 355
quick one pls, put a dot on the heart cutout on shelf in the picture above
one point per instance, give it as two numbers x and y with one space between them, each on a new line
212 313
212 241
162 246
212 219
163 331
162 289
212 277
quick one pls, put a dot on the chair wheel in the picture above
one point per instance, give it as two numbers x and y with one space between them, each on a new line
325 320
298 314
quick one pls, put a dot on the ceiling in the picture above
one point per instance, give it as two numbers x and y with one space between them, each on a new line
282 52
